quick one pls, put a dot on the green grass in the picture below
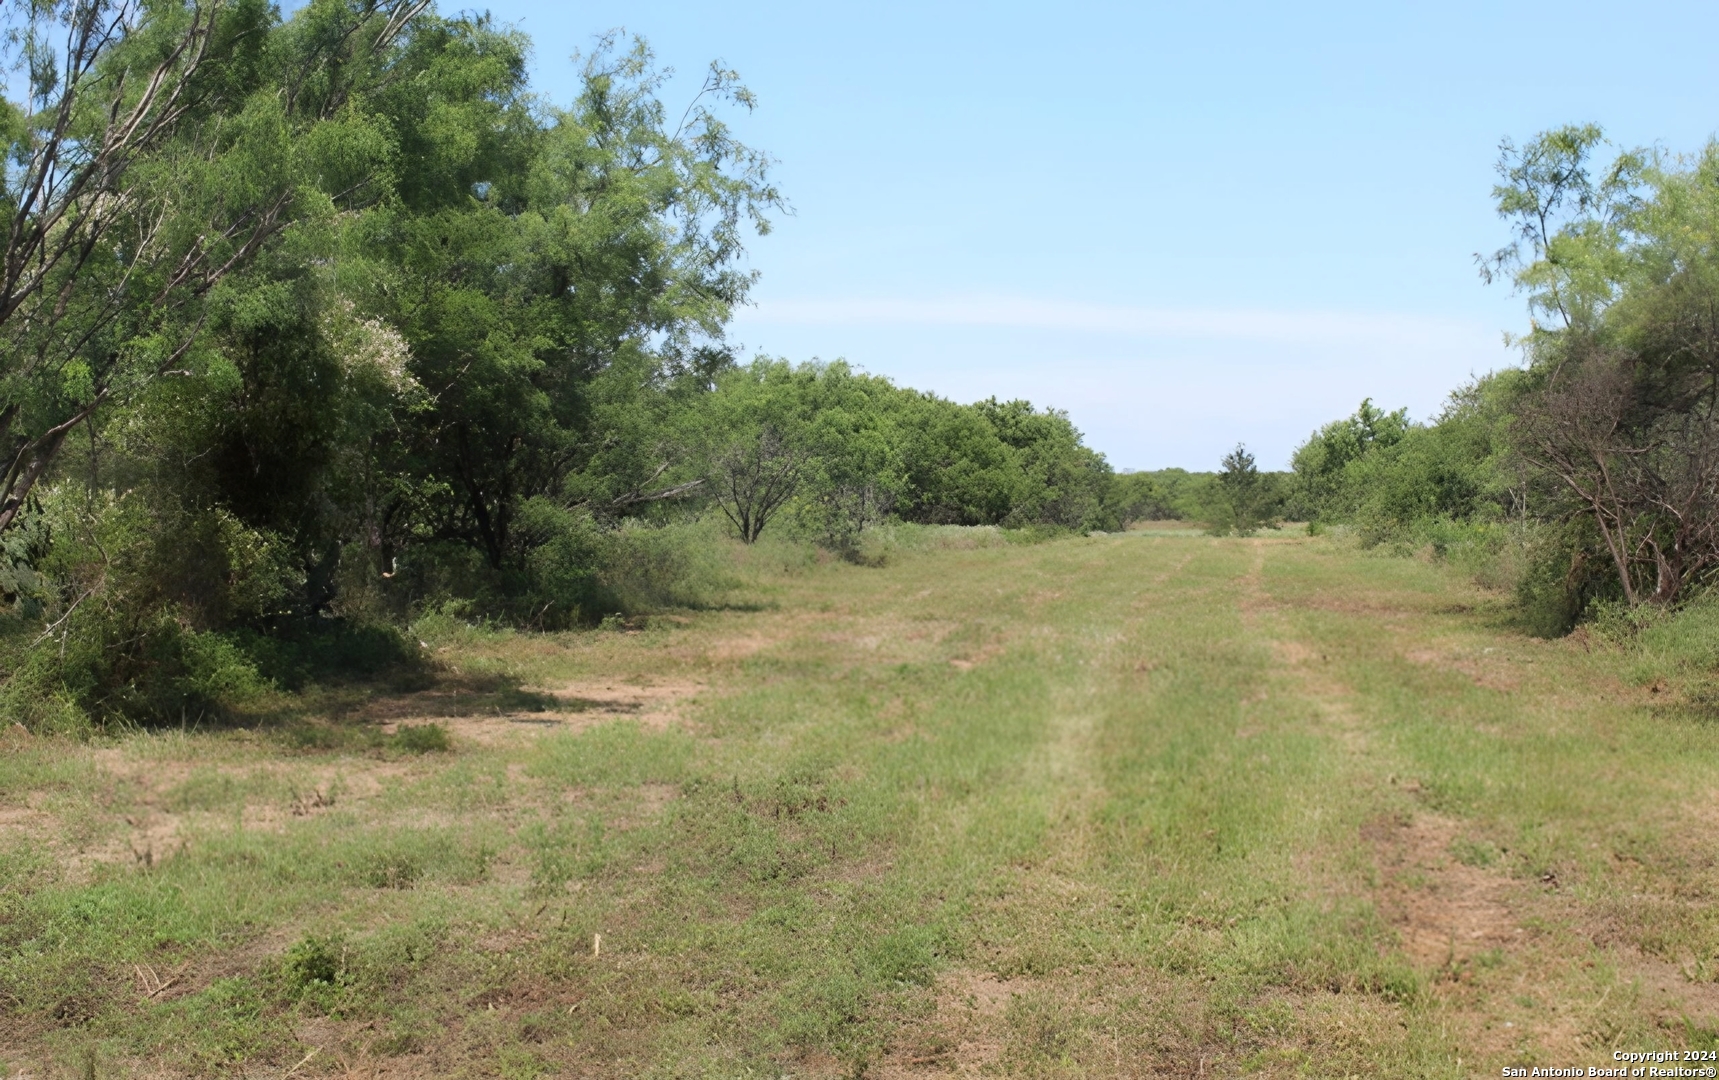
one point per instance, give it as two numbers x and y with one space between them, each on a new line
1128 805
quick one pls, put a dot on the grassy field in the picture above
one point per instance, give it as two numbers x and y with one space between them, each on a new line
1135 805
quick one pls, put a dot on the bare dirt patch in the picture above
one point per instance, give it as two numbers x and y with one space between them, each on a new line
1483 669
1303 665
23 820
1446 912
742 646
1293 653
149 840
644 805
575 707
153 772
888 639
976 657
1670 995
1456 921
653 704
965 1035
156 825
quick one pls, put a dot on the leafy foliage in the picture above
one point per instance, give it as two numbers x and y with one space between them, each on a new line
1604 451
350 326
1391 477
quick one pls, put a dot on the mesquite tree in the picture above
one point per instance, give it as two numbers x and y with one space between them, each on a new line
158 148
1621 411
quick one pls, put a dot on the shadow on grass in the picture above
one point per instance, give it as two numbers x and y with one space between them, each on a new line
1692 706
353 716
339 686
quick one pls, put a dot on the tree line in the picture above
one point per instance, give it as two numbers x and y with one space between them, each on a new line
310 324
1595 464
1587 478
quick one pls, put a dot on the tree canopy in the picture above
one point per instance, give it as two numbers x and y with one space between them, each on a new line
313 323
1602 451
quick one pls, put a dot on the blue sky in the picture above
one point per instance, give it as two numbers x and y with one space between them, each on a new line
1185 224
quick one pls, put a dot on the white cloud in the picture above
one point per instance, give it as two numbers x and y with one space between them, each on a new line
1215 324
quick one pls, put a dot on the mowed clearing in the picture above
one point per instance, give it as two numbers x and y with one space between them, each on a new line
1139 805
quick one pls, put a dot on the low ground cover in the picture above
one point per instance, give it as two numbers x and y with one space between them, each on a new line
1141 804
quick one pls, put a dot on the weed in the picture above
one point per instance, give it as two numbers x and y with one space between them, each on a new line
390 870
907 955
313 966
1043 1030
621 752
422 738
564 851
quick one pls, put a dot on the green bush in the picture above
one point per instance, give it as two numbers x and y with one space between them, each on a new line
159 615
1037 534
1391 478
577 572
1163 495
1551 594
422 738
295 653
645 568
313 971
562 585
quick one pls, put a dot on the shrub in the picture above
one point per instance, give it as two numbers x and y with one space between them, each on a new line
562 585
1552 593
295 652
390 870
647 568
422 738
313 967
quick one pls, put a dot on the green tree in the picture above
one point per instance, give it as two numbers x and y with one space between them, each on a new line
957 471
756 445
532 267
1321 463
1618 414
160 148
1243 494
1063 482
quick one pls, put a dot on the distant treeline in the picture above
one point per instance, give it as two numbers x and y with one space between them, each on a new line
1238 498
